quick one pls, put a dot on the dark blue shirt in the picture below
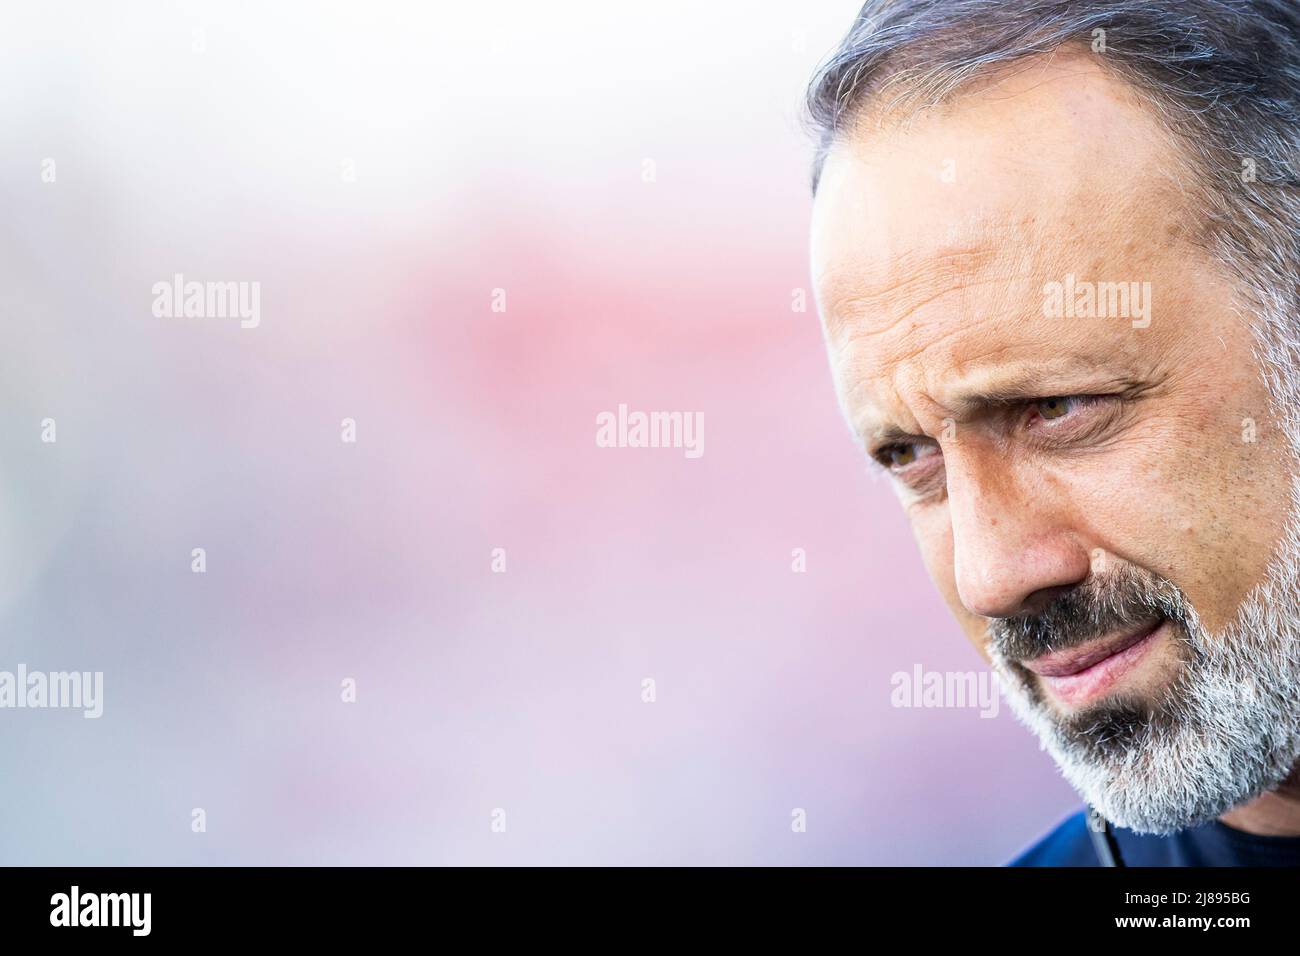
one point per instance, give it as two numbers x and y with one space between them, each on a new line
1214 844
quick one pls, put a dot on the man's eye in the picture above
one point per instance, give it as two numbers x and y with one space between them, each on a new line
904 454
900 455
1049 408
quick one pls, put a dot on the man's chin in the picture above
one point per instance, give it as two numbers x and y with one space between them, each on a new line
1132 756
1145 771
1149 795
1107 754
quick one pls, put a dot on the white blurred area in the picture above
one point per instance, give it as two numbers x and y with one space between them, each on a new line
493 144
275 94
334 151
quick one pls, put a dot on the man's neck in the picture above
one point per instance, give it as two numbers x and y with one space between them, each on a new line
1276 813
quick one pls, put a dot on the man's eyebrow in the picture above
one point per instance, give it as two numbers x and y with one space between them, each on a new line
1070 376
965 404
972 403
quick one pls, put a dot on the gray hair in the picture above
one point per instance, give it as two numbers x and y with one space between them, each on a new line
1222 75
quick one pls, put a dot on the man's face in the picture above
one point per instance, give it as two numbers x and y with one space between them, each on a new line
1058 470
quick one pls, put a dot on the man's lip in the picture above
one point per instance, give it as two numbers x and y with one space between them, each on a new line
1077 659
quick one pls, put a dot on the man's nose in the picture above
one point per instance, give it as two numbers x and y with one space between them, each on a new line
1012 550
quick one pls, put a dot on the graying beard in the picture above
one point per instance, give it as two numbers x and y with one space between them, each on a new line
1227 730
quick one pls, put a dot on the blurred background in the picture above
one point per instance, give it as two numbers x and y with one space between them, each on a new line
632 184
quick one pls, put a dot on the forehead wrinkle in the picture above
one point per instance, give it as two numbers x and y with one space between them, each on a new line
902 360
871 287
871 404
891 404
866 312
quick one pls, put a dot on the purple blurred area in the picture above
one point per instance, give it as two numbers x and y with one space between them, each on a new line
636 183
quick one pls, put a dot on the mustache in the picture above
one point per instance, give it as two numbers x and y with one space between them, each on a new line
1120 600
